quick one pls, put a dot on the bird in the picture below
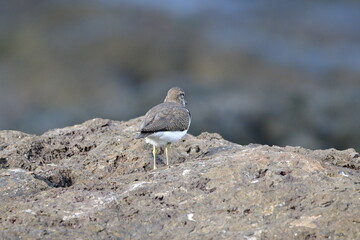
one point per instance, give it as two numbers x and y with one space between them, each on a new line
167 122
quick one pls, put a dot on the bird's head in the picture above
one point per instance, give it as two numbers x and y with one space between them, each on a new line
176 95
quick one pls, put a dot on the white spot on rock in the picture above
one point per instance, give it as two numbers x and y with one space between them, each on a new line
190 217
186 172
16 170
135 186
343 174
30 211
51 165
75 215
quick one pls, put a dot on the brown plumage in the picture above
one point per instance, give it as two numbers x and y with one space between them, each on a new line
171 115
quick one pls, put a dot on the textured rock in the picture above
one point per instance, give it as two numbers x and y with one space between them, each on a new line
95 181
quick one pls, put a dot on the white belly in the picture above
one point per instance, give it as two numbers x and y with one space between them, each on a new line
162 138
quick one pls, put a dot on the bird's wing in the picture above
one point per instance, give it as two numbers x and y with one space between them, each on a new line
169 118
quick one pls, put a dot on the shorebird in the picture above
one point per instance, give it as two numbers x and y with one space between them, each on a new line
167 122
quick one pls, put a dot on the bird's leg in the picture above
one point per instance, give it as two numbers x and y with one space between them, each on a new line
166 153
154 154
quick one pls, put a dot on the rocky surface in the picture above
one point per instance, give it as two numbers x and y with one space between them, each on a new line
95 181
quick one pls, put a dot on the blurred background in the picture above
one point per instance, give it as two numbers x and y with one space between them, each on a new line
256 71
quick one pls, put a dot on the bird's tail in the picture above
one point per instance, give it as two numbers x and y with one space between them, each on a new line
142 135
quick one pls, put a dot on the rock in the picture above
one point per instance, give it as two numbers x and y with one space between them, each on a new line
95 181
16 182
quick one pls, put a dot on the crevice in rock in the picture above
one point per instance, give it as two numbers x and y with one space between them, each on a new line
58 179
261 173
41 178
3 163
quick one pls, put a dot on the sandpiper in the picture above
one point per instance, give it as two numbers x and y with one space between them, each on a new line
167 122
